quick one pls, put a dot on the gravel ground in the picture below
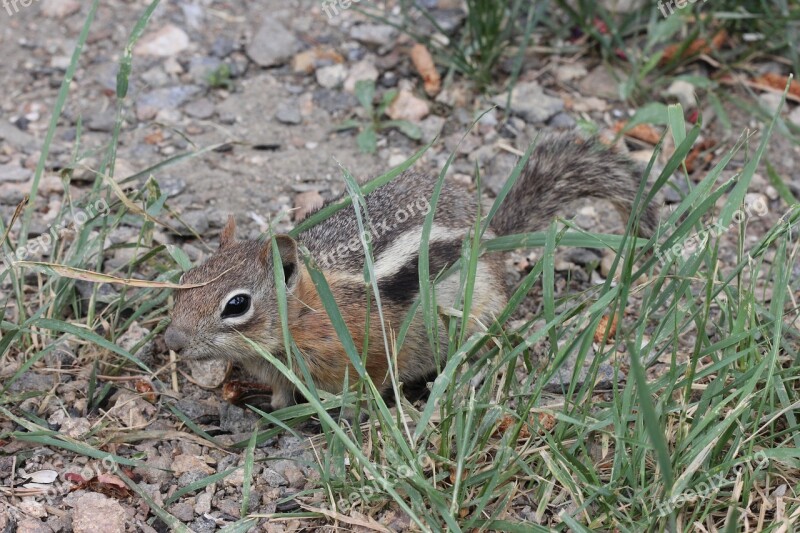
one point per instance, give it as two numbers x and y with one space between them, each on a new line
285 74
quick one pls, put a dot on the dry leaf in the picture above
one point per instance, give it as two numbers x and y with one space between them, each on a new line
453 475
107 484
772 82
236 392
145 388
506 423
306 203
423 62
698 46
600 332
547 421
643 132
700 156
43 476
778 82
307 60
154 138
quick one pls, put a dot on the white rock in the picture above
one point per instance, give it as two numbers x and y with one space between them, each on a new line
757 204
209 372
97 513
770 101
75 427
406 106
397 159
794 116
60 62
379 34
590 103
363 70
566 73
32 508
331 76
684 92
167 41
203 504
771 192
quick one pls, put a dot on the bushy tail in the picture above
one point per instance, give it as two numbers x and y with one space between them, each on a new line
564 168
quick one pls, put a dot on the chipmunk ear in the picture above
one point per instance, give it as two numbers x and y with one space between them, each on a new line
287 249
228 235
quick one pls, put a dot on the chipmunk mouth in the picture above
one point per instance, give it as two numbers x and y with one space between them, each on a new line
202 357
214 351
199 355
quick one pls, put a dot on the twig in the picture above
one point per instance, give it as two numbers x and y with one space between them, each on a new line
173 359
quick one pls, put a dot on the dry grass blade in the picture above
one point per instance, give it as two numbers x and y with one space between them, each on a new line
17 212
130 205
97 277
369 523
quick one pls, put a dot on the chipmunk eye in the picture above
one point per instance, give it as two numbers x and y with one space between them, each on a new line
236 306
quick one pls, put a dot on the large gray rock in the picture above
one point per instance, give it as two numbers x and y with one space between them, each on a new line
376 34
529 102
561 381
272 44
601 83
16 137
97 513
149 104
14 172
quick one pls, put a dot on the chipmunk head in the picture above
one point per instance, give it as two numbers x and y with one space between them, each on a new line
238 299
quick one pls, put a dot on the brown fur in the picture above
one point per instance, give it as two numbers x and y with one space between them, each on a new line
561 169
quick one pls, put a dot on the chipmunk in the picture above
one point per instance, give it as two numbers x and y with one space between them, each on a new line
209 321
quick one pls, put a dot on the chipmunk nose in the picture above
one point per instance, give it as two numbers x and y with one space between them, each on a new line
176 339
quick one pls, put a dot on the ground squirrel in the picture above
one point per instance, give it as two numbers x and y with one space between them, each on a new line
209 321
